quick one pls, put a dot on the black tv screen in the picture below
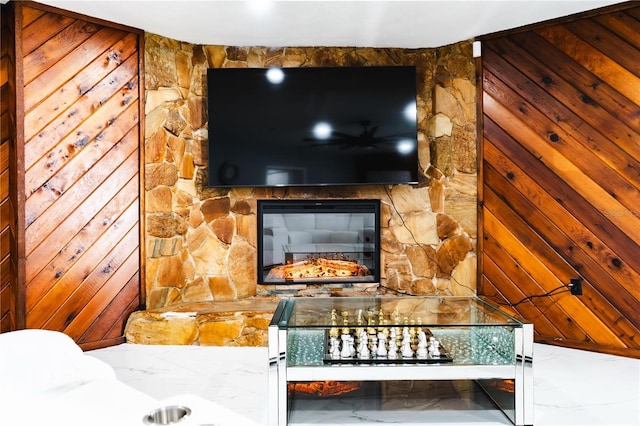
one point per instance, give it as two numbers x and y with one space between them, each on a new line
312 126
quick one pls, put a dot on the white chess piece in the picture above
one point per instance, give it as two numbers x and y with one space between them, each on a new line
363 347
434 349
422 339
352 348
422 352
393 334
382 345
405 332
392 352
374 344
406 350
347 346
334 348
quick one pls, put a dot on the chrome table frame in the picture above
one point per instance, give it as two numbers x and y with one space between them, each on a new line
280 374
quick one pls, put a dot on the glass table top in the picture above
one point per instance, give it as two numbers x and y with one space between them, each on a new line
381 311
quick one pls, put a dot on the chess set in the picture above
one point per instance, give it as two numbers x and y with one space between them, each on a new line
381 341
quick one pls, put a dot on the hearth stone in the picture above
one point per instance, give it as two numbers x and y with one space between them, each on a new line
230 323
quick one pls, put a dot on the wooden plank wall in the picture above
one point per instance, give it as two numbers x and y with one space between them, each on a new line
560 184
8 241
81 134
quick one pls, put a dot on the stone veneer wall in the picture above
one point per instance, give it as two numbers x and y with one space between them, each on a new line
201 242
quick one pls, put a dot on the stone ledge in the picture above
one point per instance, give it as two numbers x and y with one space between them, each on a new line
242 322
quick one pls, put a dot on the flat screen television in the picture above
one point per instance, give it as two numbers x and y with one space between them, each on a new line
312 126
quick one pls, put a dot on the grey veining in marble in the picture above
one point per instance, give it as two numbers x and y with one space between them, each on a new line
571 387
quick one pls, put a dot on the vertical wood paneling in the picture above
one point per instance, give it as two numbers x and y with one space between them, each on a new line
560 194
80 171
8 260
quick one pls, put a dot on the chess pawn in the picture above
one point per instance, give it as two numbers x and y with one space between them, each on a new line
398 336
333 331
383 329
392 352
334 349
393 333
334 317
360 323
371 322
352 347
374 344
406 350
434 350
396 316
422 352
345 322
363 347
406 336
382 345
413 331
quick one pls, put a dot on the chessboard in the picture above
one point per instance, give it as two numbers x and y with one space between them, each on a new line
390 345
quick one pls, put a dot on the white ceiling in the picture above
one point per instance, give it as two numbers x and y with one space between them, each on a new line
407 24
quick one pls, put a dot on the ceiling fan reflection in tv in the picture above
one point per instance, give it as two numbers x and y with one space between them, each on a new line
368 138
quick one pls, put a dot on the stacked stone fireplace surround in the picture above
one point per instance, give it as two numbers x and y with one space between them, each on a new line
200 243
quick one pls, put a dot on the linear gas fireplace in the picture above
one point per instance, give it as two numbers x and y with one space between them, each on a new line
318 241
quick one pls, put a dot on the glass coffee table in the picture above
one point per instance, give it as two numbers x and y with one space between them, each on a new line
388 338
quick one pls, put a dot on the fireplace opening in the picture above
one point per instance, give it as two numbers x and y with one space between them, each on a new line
318 241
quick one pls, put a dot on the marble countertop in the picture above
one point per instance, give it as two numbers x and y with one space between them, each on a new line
571 387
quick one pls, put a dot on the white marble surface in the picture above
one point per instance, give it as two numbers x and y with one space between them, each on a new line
571 387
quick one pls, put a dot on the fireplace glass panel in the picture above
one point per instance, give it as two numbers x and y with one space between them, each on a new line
318 241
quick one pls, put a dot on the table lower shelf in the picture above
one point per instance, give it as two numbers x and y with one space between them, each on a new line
400 372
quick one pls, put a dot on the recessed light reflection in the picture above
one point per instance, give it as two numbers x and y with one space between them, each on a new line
322 130
275 75
260 7
411 112
405 146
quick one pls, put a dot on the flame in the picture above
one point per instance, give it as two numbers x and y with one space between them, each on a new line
504 385
320 268
325 388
